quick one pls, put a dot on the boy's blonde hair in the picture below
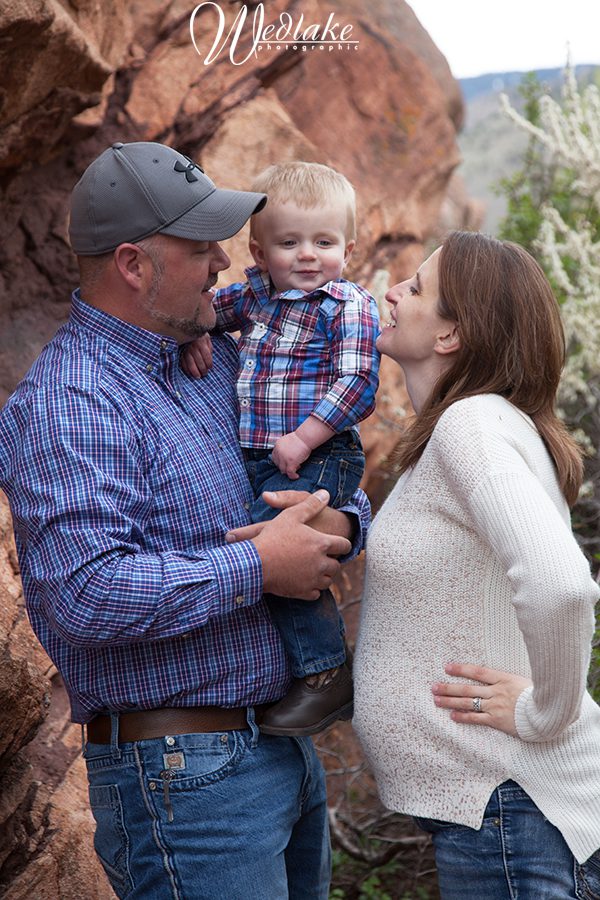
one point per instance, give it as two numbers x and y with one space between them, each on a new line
307 184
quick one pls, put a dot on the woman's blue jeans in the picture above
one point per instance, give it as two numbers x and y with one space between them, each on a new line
312 632
515 855
244 817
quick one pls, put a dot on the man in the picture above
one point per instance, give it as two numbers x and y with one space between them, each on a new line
125 477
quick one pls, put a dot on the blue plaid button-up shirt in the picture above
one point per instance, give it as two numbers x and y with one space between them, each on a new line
123 476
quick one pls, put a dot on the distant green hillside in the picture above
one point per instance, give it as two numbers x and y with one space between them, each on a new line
491 145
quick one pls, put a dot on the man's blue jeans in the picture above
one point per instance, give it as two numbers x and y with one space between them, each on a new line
312 632
515 855
243 818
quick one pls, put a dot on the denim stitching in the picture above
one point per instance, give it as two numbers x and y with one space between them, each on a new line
155 824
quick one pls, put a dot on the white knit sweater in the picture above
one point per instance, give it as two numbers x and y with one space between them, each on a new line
471 559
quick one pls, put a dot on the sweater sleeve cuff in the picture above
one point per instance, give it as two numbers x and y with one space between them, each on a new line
238 575
524 721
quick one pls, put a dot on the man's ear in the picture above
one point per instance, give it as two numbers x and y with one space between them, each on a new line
257 254
132 265
448 340
348 251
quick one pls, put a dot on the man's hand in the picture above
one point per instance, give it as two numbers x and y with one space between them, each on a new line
297 560
196 358
328 521
289 452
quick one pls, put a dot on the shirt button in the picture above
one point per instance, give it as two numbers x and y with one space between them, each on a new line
149 367
245 402
239 599
163 345
170 741
246 505
249 363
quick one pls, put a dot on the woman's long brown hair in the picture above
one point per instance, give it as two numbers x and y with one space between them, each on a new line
512 344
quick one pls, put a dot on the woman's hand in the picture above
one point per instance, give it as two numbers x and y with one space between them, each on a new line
491 702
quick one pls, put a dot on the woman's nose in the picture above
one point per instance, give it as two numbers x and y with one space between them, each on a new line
393 295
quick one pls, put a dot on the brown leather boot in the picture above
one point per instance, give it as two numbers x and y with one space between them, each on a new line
308 708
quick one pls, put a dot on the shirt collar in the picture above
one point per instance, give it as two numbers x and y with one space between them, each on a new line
140 345
261 287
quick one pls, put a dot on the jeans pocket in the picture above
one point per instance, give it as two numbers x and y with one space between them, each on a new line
110 840
193 763
588 878
432 826
341 477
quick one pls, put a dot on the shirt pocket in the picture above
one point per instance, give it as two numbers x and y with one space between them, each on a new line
298 335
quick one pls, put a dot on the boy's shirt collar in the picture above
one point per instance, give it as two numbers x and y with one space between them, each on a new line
261 287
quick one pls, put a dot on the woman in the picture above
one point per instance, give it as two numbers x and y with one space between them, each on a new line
478 616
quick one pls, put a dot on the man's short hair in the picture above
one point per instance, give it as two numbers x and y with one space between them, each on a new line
307 184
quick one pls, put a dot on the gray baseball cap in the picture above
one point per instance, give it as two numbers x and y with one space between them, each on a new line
134 190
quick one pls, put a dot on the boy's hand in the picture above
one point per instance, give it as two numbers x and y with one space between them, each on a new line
289 453
196 358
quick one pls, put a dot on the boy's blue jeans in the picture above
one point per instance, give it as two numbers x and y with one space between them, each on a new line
312 631
517 853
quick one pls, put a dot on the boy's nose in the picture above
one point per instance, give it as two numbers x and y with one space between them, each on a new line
306 251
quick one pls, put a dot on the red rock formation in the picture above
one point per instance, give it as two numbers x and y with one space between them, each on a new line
78 75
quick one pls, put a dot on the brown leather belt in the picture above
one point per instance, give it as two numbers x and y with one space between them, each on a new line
142 725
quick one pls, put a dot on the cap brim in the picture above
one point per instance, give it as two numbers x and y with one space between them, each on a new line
218 217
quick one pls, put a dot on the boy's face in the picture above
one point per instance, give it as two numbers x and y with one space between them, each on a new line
301 248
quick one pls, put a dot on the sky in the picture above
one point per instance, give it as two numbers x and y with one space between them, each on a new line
481 36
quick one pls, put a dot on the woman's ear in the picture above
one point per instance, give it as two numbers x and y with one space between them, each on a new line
257 254
448 340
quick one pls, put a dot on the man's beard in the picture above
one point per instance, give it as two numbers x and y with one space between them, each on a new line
190 327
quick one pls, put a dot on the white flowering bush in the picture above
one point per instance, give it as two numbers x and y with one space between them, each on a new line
568 239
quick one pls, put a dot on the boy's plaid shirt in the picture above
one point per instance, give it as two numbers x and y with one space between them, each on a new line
300 354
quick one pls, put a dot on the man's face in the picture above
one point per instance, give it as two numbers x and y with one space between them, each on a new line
178 302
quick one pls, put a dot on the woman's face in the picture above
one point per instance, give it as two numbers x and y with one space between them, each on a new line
415 326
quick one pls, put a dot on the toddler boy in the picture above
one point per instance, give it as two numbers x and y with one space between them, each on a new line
308 375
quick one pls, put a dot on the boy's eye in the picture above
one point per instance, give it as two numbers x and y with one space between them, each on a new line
324 242
289 243
413 289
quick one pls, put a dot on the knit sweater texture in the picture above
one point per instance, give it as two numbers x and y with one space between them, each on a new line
472 560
